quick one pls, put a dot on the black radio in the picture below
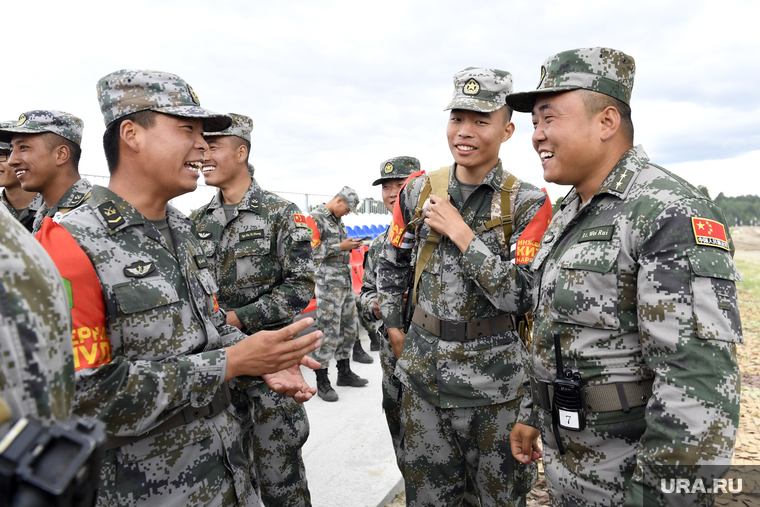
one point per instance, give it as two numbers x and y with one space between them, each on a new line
569 400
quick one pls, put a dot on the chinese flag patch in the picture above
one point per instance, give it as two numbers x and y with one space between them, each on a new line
710 233
300 220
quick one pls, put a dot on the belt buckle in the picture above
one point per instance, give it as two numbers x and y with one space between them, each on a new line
453 331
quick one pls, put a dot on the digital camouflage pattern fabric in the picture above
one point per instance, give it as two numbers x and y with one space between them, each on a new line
634 296
466 384
336 307
262 261
128 91
74 196
41 121
602 70
350 196
397 168
26 215
36 360
241 127
483 90
391 386
165 338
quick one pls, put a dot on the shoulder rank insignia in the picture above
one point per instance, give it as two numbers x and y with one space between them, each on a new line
76 199
139 269
205 235
710 233
300 220
254 204
471 87
111 214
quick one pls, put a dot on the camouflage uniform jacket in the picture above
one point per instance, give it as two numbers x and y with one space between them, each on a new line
167 337
26 215
368 292
332 232
261 258
71 199
462 287
634 297
36 362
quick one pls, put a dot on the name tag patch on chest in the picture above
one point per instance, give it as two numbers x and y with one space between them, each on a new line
710 233
205 235
254 234
602 233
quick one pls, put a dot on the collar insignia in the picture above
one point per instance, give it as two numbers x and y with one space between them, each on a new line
111 214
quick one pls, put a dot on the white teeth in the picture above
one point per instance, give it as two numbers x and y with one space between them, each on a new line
195 166
21 171
208 168
546 155
465 148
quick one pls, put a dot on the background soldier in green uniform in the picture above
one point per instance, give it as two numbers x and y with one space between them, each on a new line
336 307
21 204
45 157
635 277
462 362
393 174
258 249
160 371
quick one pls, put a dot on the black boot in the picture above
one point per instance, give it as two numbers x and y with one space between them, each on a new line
359 355
324 389
348 378
374 341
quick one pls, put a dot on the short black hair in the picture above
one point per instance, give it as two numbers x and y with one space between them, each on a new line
596 102
146 119
75 151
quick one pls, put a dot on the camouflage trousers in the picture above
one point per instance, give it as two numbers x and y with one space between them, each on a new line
280 429
443 446
337 319
391 388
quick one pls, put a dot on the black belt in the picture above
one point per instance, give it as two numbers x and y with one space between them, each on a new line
187 415
599 398
343 258
462 331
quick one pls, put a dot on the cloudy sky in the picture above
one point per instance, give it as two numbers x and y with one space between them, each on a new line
334 88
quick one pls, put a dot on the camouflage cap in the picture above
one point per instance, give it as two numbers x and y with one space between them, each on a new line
397 167
483 90
5 146
350 196
65 125
241 127
602 70
128 91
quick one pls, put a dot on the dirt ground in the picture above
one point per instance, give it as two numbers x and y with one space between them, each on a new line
747 450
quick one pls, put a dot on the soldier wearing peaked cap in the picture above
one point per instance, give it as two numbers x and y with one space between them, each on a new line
258 249
46 150
21 204
463 235
153 355
336 307
635 294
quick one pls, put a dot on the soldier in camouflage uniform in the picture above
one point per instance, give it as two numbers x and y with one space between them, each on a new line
46 151
393 174
635 275
462 362
21 204
258 249
37 365
152 351
336 307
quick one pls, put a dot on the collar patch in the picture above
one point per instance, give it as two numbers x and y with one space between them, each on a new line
76 198
602 233
620 183
139 269
111 214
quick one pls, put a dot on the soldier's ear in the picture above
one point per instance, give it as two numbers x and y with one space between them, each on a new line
242 153
62 154
128 132
609 122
